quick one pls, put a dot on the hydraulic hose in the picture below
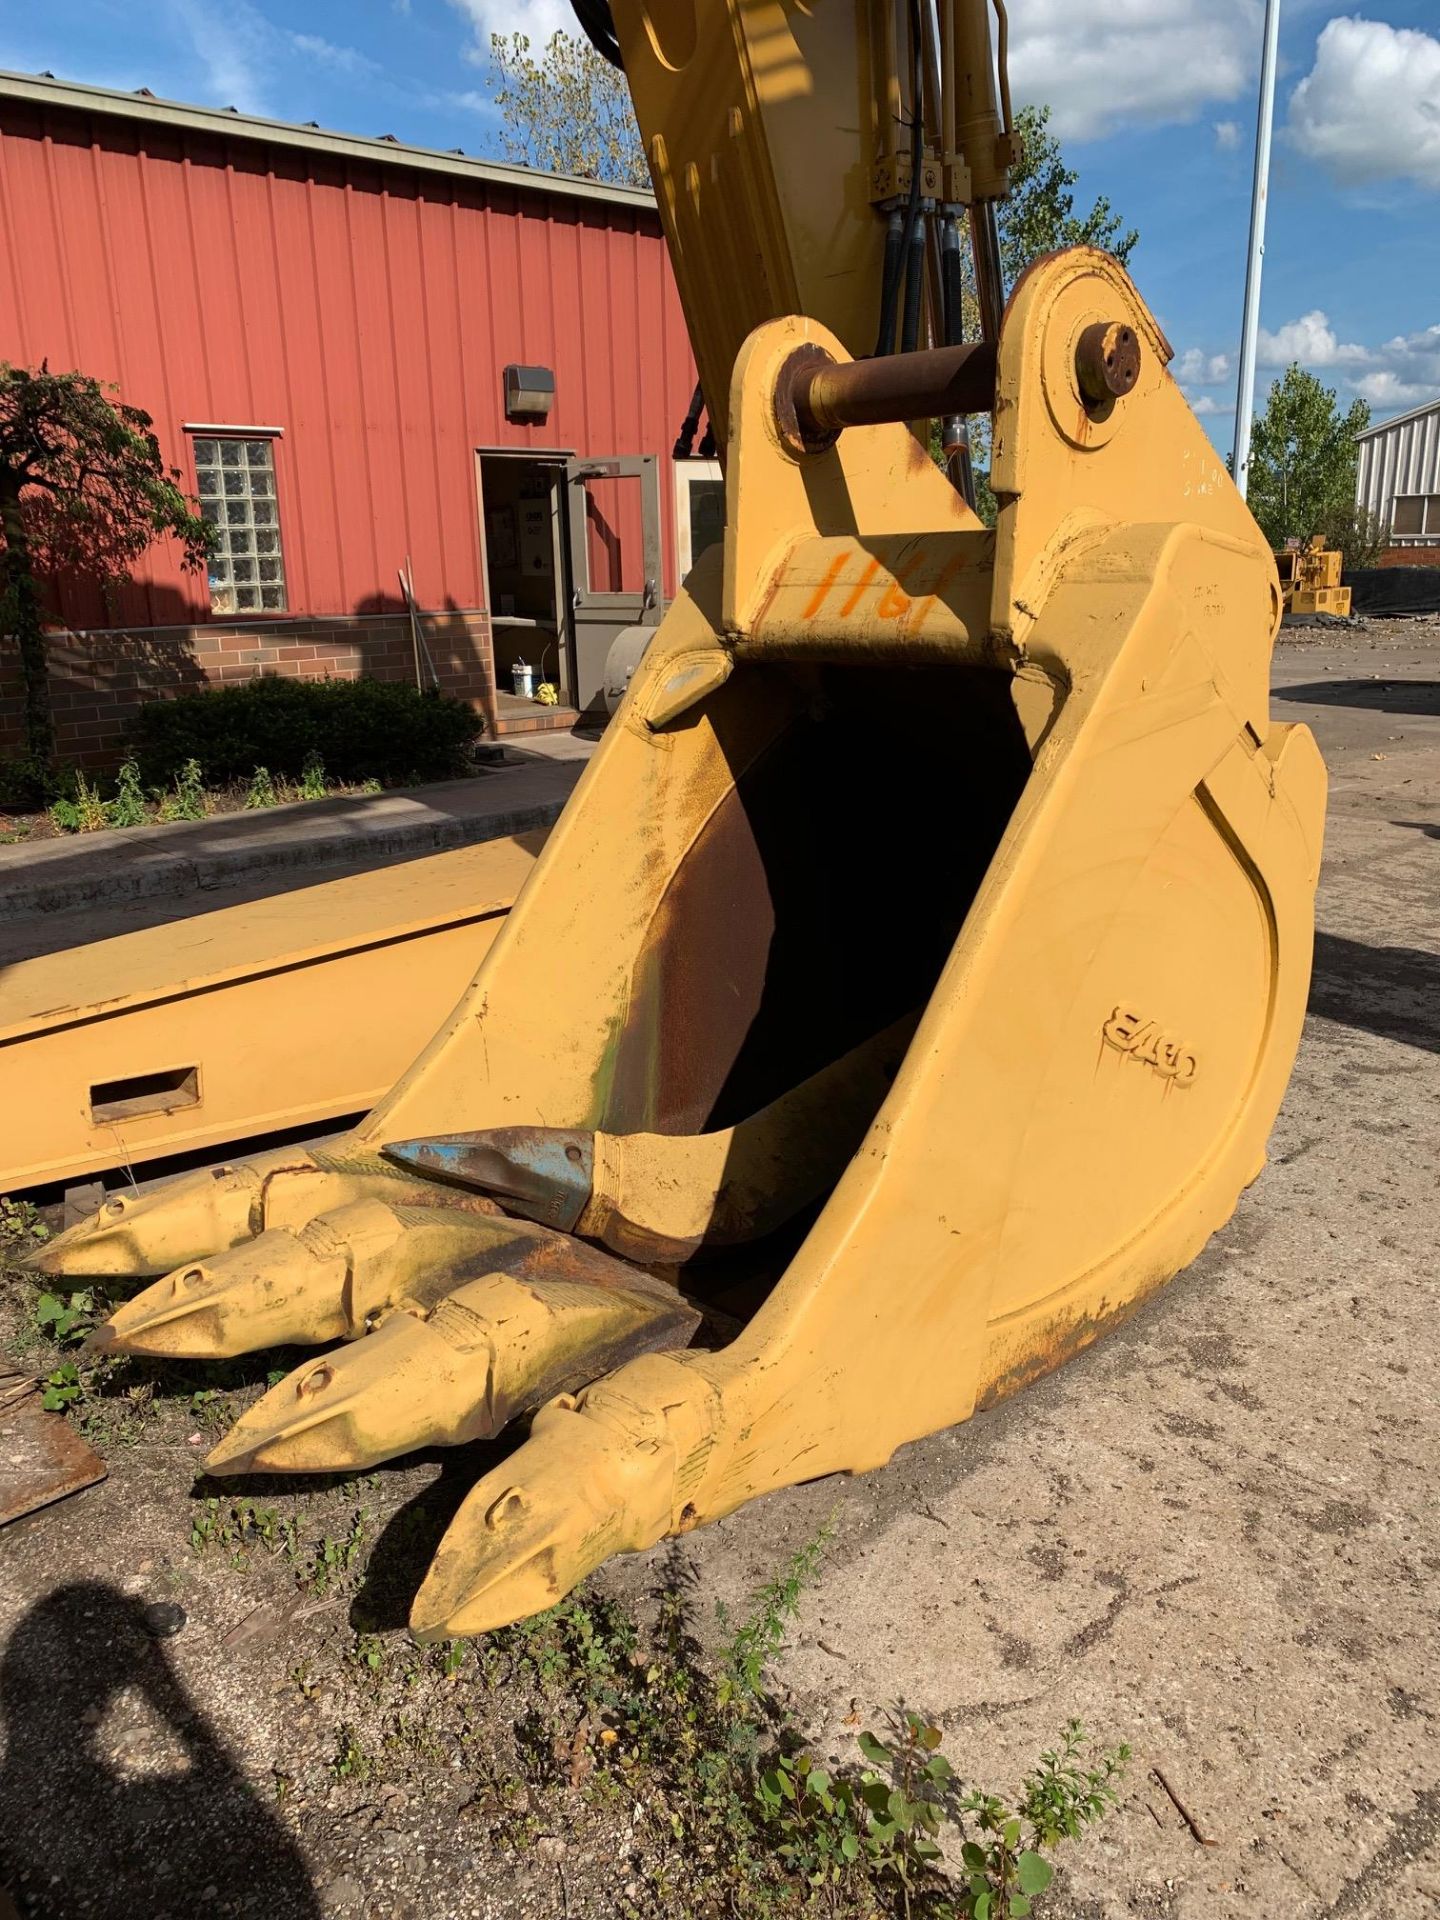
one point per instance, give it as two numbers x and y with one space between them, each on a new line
914 245
890 272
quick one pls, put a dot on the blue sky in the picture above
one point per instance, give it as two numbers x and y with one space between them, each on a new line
1154 100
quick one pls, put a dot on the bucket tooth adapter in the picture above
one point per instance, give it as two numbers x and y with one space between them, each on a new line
927 940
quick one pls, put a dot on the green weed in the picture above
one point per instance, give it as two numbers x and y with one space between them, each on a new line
82 813
260 790
312 778
128 808
65 1320
765 1828
333 1557
62 1388
240 1528
351 1761
21 1225
186 799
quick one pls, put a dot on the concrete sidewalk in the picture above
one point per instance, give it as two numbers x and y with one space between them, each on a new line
100 869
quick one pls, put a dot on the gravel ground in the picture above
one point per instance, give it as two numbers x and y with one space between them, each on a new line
1213 1536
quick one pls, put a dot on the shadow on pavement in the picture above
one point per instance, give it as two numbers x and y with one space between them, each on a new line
165 1829
1394 991
1379 696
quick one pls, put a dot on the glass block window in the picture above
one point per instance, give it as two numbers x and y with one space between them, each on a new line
235 479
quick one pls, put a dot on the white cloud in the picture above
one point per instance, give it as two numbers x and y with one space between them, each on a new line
1369 108
1400 372
1205 404
1197 369
347 60
1310 340
537 19
1102 64
236 44
1227 135
227 45
1386 390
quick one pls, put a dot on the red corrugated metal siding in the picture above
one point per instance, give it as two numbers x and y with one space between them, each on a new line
367 312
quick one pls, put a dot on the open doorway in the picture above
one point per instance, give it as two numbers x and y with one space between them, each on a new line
571 550
522 508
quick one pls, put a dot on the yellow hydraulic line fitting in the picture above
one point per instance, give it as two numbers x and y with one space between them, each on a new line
1074 915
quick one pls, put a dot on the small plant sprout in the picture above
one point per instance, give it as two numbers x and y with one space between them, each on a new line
761 1636
62 1388
65 1319
20 1222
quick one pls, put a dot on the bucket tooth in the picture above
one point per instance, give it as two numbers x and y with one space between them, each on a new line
527 1534
601 1473
279 1288
541 1173
148 1233
495 1347
209 1212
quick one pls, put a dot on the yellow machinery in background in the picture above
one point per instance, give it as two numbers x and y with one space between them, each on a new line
1310 578
926 1065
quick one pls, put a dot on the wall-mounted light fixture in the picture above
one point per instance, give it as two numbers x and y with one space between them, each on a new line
529 393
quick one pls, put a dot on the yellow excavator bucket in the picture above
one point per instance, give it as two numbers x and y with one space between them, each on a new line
927 1063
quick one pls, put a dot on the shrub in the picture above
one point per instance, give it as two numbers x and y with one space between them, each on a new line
1361 536
360 729
27 784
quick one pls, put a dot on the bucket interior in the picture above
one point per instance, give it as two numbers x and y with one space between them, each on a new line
820 900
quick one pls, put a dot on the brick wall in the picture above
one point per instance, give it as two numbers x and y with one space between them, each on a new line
1411 557
99 679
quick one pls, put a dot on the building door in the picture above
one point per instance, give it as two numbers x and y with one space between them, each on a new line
522 505
613 515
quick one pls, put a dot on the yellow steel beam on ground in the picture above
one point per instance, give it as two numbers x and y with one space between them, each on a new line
282 1012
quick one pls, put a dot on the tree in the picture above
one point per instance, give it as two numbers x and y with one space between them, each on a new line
567 111
83 491
1362 536
1039 217
1303 456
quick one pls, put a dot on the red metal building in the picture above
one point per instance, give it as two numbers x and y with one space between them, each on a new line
320 325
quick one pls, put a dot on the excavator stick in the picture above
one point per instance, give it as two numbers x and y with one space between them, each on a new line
953 1054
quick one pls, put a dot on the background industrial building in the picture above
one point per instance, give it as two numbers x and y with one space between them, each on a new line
1399 479
320 325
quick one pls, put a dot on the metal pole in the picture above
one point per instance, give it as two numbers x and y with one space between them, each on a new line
1260 194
